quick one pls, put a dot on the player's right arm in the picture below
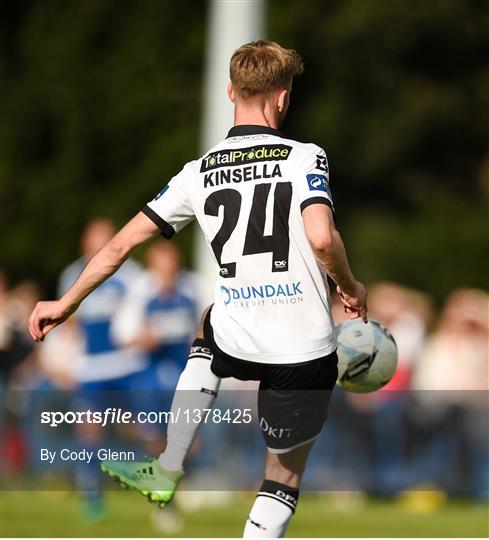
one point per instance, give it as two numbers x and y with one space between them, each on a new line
329 251
48 315
316 203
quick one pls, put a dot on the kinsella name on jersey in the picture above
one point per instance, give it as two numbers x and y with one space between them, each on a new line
243 174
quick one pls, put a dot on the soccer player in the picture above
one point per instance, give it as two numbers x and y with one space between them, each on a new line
264 204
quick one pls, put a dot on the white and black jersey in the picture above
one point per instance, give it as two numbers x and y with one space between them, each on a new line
271 301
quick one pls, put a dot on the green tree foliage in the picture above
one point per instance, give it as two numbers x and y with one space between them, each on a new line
100 104
397 93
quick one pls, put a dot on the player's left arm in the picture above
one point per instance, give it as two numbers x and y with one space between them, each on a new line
48 315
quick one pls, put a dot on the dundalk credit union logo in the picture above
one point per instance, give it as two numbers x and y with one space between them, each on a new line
282 293
243 156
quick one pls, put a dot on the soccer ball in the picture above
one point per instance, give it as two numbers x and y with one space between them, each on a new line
367 355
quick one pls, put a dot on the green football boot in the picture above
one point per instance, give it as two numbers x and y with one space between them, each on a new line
148 477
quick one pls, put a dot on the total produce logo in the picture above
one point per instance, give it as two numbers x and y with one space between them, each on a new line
243 156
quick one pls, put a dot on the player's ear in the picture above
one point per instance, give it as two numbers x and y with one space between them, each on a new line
283 100
231 93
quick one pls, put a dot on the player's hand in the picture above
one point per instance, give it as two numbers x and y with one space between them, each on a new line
356 302
46 316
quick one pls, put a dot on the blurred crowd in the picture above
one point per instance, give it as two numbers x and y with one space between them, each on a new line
427 429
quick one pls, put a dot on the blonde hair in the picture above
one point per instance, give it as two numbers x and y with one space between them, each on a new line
261 67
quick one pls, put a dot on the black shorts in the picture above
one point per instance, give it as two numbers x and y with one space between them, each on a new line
293 399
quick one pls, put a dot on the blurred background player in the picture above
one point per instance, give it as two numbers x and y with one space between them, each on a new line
451 401
106 370
158 319
18 371
407 313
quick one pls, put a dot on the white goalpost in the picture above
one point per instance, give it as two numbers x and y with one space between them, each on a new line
230 24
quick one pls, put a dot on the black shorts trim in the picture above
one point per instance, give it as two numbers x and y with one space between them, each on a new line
166 229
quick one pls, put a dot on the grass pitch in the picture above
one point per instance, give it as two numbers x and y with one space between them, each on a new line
58 514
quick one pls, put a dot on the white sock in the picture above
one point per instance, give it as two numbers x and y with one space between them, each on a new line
270 515
196 389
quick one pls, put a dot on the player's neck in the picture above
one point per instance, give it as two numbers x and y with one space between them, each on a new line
258 116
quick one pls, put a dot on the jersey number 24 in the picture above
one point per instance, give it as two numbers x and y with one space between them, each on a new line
256 241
